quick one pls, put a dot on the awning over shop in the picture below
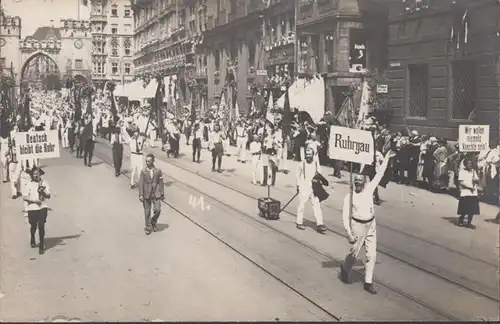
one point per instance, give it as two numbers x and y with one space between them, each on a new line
135 91
119 90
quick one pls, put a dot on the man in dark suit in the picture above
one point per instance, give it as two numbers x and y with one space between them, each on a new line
151 193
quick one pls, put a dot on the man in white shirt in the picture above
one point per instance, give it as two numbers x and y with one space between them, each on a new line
197 136
136 157
360 225
215 145
255 151
305 175
118 137
241 141
88 140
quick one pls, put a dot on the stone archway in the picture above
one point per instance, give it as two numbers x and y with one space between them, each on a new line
80 79
41 70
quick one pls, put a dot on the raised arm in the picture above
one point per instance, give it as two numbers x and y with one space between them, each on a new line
372 185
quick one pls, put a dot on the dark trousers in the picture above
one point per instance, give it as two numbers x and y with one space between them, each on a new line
155 204
79 147
37 219
412 170
274 168
217 155
196 149
117 157
88 152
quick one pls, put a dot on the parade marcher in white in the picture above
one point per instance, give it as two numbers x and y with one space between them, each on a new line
197 137
37 194
255 151
307 171
13 166
215 145
118 137
4 149
360 224
136 157
241 141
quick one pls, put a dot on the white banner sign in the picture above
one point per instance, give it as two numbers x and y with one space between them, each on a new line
352 145
37 145
473 138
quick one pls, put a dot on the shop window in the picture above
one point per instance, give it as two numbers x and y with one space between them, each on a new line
464 88
418 90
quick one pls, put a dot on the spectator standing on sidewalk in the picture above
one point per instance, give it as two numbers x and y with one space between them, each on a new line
469 201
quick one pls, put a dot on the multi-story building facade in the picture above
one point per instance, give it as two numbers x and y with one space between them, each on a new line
167 35
112 24
337 39
444 67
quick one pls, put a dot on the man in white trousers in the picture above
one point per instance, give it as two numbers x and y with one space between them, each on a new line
136 157
4 149
255 151
241 141
13 168
306 172
360 224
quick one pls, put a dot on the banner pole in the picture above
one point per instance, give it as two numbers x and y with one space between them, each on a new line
351 188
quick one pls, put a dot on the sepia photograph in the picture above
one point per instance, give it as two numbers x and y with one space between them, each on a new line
249 160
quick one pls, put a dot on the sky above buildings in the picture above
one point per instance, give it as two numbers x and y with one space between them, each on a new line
39 13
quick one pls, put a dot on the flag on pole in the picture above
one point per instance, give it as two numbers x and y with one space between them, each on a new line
346 113
287 116
269 113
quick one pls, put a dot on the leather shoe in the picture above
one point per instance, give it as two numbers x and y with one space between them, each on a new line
369 288
322 229
301 227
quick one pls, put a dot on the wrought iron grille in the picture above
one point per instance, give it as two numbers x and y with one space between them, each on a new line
464 88
419 78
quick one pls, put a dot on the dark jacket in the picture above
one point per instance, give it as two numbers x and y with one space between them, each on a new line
151 188
318 182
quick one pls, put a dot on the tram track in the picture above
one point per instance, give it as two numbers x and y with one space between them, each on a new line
390 287
380 248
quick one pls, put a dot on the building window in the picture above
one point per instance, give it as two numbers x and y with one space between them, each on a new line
114 68
78 64
127 44
2 62
100 67
114 11
127 13
464 89
419 78
127 68
114 30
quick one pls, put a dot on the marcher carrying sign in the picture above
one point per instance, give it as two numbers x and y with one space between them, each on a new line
37 145
473 138
351 145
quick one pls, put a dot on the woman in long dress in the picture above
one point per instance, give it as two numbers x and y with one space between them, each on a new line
441 167
469 201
